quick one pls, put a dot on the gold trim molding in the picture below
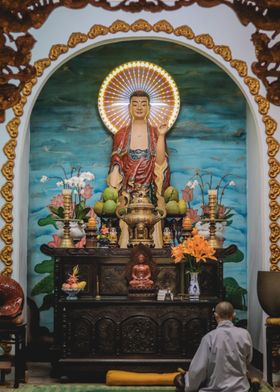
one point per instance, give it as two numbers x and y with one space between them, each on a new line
75 39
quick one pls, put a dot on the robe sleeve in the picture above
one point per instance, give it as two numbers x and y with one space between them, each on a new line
197 373
250 349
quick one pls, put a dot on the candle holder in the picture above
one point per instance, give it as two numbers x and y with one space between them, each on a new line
187 228
66 241
212 203
98 296
91 233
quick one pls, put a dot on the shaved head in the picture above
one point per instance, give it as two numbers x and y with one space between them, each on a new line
225 310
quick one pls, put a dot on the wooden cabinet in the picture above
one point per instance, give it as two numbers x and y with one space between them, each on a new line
95 335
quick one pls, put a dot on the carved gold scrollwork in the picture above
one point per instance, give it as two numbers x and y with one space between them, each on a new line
253 84
6 191
275 267
6 234
274 211
270 125
119 25
263 104
97 30
184 31
141 25
7 271
41 65
275 252
223 51
273 146
163 26
274 167
12 127
57 50
206 40
7 212
240 66
274 232
18 108
9 149
8 170
274 189
6 255
27 89
76 39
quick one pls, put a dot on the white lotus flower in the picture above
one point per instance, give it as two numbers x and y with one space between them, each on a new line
87 176
194 184
44 179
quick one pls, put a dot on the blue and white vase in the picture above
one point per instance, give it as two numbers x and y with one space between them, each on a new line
194 289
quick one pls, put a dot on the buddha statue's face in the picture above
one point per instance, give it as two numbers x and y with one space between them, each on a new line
139 107
141 258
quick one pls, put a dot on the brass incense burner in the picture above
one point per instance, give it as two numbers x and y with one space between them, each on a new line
140 215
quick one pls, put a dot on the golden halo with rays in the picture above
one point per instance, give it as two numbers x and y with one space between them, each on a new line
115 91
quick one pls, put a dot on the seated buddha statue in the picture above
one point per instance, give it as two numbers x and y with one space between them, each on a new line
141 274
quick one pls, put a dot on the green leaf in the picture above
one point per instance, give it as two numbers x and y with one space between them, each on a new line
227 216
235 294
83 213
57 211
229 222
48 302
48 220
236 257
45 286
46 266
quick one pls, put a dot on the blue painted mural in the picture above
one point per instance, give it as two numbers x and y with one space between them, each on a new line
209 135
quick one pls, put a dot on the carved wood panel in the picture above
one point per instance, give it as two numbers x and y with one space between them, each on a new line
118 329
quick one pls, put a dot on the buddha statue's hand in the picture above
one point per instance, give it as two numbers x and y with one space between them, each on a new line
163 128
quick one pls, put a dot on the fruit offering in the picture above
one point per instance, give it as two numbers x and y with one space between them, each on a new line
108 204
72 282
174 206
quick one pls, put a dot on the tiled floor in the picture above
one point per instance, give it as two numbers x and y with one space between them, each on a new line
39 373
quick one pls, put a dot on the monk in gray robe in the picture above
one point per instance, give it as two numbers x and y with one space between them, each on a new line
220 363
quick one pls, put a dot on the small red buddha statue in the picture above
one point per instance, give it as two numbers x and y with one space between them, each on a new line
141 274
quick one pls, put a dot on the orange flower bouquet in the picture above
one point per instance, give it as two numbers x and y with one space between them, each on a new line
193 251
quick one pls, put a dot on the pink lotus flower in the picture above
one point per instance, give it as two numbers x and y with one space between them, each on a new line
55 243
187 194
205 209
57 201
81 243
91 213
193 215
87 192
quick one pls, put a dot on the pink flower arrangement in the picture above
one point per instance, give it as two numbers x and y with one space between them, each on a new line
81 191
199 181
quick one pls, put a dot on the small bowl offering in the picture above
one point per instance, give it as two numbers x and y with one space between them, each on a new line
71 293
72 286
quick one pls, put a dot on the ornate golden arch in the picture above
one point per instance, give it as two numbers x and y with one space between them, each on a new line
162 26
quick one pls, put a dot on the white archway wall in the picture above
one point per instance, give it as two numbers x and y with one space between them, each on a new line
224 27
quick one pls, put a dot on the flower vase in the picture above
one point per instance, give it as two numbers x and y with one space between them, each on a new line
194 289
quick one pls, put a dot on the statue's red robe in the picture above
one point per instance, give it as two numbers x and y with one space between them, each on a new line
139 171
